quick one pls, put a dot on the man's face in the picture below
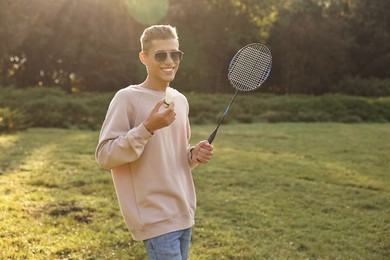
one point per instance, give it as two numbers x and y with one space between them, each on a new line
161 72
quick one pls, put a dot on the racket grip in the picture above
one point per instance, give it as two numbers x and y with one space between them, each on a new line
212 136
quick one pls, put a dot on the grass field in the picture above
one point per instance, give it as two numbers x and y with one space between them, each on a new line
272 191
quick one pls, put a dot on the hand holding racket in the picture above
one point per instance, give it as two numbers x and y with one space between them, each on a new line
248 69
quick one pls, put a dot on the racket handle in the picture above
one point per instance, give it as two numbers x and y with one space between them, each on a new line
212 136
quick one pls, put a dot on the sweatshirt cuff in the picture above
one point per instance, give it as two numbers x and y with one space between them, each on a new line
140 134
192 164
145 132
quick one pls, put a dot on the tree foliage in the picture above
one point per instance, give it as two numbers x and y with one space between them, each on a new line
311 48
93 45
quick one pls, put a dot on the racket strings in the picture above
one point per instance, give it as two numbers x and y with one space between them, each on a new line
250 68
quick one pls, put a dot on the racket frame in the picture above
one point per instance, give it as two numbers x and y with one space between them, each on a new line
232 62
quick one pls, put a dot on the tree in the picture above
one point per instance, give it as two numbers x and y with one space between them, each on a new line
93 45
309 49
213 31
370 26
66 40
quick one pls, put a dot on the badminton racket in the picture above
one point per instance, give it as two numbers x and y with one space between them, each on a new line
249 68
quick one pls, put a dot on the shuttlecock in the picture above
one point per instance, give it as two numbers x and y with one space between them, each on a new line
170 95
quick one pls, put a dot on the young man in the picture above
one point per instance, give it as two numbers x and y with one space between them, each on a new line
145 144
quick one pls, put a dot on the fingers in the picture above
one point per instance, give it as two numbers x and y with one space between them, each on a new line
158 105
205 144
159 119
172 105
169 116
202 152
169 113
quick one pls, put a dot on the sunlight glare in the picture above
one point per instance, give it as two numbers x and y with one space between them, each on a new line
148 12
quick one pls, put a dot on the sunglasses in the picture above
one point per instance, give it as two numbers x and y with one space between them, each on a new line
161 56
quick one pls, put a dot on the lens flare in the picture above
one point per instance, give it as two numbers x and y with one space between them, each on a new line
149 11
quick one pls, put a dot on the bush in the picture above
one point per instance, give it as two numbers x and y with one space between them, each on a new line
56 112
12 120
45 107
52 107
383 108
357 86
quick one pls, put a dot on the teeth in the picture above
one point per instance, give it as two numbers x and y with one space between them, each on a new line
168 69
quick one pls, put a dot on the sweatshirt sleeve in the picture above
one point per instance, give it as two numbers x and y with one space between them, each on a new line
120 142
191 163
189 147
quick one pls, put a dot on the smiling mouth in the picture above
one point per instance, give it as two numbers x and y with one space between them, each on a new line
168 69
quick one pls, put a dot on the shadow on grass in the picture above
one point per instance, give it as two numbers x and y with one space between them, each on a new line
58 166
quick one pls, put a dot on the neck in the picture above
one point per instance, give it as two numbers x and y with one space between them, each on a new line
159 86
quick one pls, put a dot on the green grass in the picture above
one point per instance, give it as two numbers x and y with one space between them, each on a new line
272 191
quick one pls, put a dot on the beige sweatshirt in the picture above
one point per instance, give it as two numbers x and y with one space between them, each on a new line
151 173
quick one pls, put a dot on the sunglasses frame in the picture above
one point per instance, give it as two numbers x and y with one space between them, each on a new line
180 56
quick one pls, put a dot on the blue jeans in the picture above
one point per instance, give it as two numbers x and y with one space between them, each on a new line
171 246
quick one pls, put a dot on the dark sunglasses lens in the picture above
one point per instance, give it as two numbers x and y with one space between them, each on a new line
160 56
176 55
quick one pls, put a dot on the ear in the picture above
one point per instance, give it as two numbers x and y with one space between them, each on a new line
142 57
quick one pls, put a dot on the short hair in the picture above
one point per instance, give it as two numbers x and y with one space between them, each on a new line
157 32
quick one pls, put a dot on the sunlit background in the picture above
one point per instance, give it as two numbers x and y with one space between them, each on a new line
93 45
313 186
148 12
